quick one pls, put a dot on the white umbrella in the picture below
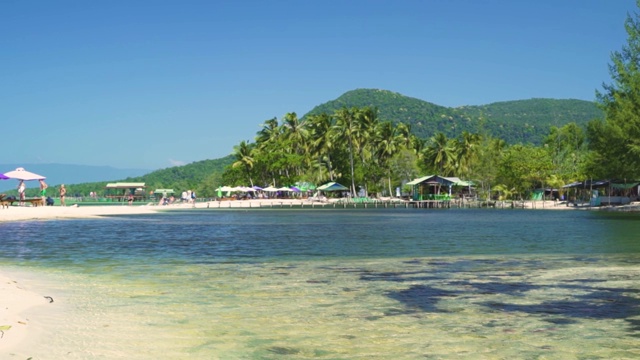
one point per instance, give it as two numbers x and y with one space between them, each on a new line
270 189
284 189
22 174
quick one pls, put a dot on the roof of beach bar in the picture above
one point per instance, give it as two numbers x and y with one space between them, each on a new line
125 185
616 184
448 181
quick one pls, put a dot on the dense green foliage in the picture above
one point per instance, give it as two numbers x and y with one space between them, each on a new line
615 141
521 121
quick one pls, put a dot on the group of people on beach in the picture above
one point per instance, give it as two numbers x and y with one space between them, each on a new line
46 200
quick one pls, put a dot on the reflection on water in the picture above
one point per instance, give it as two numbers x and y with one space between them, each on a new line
338 284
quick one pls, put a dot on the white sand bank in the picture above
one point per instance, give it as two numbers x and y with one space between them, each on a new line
20 213
17 304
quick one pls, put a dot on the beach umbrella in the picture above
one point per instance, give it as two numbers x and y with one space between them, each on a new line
3 177
284 188
22 174
255 187
270 189
332 186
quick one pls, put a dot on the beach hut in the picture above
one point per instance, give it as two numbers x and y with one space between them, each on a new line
430 187
332 186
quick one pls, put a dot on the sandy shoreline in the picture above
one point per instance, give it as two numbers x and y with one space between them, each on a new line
28 213
17 306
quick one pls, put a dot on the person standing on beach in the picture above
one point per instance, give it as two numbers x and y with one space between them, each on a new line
43 190
63 193
21 189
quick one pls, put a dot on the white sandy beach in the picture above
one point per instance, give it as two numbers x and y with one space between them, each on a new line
23 213
17 306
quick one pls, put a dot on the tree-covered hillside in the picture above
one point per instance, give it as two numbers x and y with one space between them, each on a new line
201 176
521 121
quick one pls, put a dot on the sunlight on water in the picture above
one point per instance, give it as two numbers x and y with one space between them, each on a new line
466 306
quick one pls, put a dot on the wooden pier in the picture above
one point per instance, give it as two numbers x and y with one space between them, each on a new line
430 204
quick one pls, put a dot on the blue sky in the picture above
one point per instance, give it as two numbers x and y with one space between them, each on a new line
154 84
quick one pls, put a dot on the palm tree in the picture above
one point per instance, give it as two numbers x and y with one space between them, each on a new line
295 131
466 149
440 154
346 129
320 142
244 158
386 141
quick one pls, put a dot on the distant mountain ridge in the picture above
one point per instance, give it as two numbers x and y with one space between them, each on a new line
519 121
69 174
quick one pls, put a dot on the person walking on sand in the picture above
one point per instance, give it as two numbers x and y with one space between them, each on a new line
21 189
63 193
43 191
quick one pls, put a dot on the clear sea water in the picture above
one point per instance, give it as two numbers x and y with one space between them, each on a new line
334 284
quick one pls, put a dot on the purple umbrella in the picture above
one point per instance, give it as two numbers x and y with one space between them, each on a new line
3 177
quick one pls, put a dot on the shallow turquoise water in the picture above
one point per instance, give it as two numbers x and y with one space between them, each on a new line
337 284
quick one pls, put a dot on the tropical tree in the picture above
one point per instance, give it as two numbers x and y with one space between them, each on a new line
346 129
244 158
566 146
524 167
386 141
321 144
466 151
440 155
615 141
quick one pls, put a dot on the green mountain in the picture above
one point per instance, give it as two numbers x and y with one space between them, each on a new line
520 121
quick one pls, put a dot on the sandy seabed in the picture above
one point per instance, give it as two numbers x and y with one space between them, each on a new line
19 304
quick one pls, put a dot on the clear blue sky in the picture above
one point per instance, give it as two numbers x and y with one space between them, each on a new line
153 84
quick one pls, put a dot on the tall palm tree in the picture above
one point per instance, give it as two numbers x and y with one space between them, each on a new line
440 154
320 142
346 129
466 150
244 158
269 133
386 146
295 131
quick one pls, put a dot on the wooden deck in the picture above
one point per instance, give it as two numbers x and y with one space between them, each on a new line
430 204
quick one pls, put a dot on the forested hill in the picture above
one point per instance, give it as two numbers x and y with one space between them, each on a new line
201 176
520 121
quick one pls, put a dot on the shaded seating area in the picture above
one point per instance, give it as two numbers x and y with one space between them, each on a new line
602 192
125 192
